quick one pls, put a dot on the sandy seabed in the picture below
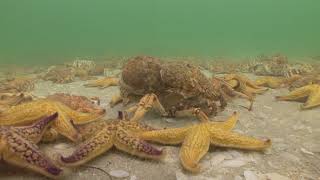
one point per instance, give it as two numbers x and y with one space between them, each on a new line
295 152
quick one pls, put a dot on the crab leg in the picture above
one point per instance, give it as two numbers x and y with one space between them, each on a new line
148 101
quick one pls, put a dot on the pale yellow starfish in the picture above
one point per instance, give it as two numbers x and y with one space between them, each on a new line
27 113
196 139
104 82
276 82
18 147
244 85
309 94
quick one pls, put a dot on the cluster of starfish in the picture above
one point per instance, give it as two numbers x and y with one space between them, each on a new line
21 130
303 89
26 122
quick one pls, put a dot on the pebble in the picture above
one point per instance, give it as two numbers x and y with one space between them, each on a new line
306 151
250 175
276 176
61 146
119 173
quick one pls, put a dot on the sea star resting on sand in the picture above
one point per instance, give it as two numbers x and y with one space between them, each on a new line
244 85
196 139
102 135
104 82
18 147
309 94
27 113
276 82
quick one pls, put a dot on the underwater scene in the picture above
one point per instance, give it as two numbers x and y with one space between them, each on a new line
160 90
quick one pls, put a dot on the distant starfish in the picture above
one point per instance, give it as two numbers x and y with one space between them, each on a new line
104 82
27 113
103 135
18 147
244 85
276 82
309 94
196 139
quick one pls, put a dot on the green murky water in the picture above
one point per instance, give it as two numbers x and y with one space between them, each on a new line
33 31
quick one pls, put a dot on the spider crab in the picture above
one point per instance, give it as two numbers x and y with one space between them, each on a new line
175 89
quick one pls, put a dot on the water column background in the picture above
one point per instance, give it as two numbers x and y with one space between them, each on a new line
47 31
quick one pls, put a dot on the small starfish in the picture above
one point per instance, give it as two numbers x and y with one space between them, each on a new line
309 94
196 139
244 85
18 147
104 82
276 82
27 113
102 135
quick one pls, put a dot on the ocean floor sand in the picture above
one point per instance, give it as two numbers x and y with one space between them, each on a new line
295 152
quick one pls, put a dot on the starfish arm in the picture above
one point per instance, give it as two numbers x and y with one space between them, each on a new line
251 84
227 125
90 149
313 99
50 135
90 129
194 147
64 126
233 83
145 127
262 81
94 83
103 83
233 140
296 94
256 91
138 127
111 82
25 113
25 154
35 131
166 136
115 99
133 145
269 82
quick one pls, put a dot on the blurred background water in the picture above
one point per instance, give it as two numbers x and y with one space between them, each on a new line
41 31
